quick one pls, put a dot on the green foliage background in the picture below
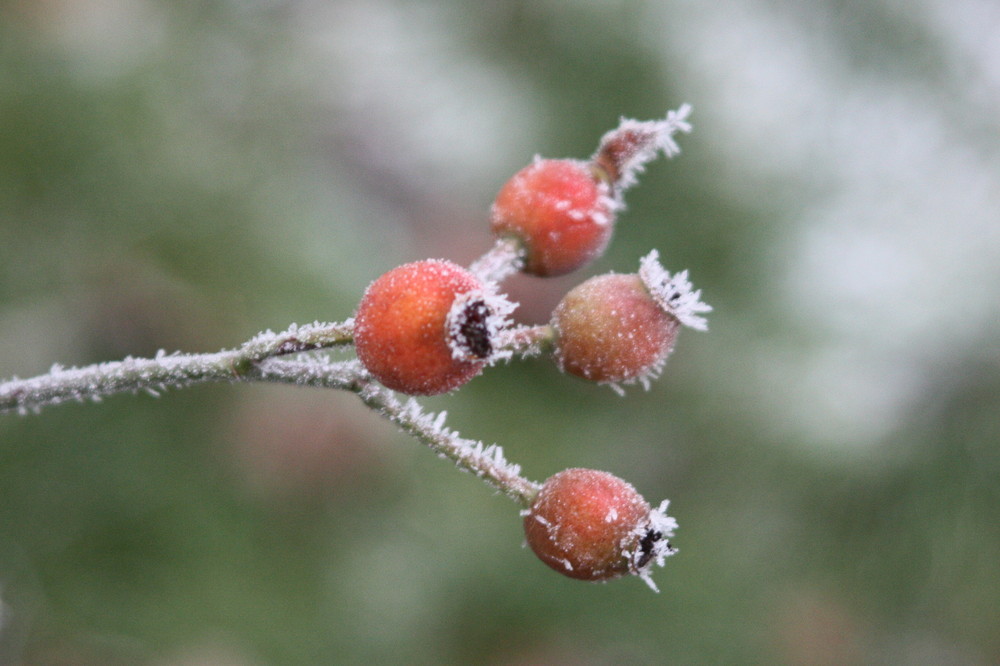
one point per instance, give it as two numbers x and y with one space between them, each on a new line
181 175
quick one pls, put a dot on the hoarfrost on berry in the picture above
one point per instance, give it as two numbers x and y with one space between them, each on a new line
654 542
475 321
674 293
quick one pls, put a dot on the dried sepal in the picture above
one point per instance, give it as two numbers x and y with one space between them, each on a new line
674 293
624 151
475 321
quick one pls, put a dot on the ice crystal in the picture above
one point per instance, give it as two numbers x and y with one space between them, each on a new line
645 378
654 545
674 293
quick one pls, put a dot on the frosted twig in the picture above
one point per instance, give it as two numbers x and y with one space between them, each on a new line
165 370
261 359
526 340
485 461
505 258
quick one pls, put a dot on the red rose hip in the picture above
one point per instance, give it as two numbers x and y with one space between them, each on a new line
427 327
561 213
592 525
616 328
610 330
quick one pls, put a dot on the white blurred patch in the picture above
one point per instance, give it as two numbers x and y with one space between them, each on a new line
403 68
890 181
106 38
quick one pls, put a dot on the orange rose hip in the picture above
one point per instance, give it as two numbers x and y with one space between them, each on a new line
619 329
592 525
427 327
561 213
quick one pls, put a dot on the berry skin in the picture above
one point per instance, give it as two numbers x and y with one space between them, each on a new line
618 328
427 327
561 213
592 525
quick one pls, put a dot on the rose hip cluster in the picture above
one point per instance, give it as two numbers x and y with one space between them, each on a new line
430 326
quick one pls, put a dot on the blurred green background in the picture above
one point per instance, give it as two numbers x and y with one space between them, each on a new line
181 175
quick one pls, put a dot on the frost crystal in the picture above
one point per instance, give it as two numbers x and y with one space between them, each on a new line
674 293
654 543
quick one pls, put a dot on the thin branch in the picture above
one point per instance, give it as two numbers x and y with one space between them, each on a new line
526 341
261 359
505 258
165 370
485 461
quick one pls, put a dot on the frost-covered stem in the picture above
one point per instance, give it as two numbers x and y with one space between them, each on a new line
486 462
298 339
527 340
165 370
505 258
261 360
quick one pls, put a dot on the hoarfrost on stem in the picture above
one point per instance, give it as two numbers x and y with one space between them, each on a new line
484 461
